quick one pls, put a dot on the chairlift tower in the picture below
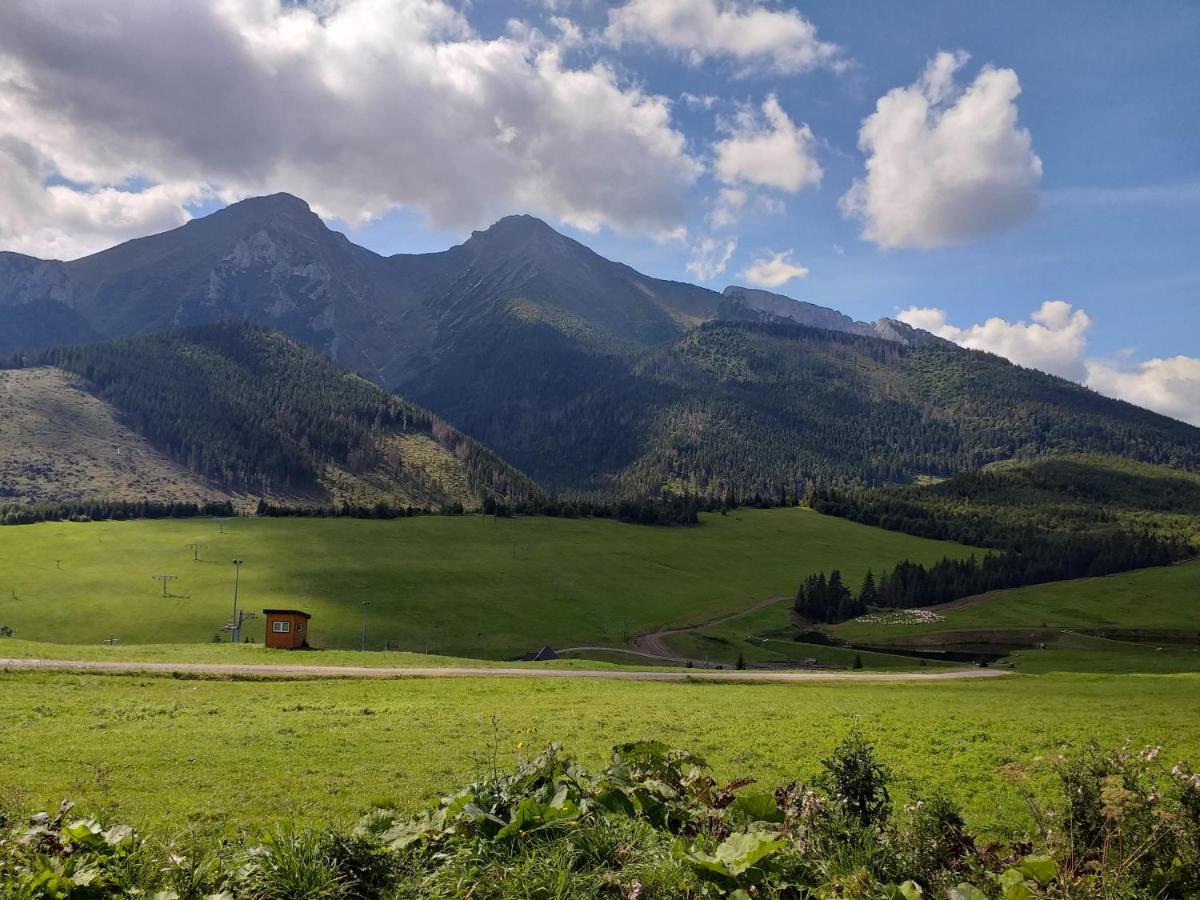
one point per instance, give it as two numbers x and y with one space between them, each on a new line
165 579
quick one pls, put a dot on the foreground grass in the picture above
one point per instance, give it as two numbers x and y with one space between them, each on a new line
175 752
1155 599
453 586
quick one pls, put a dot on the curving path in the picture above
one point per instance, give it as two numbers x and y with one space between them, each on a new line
651 643
275 671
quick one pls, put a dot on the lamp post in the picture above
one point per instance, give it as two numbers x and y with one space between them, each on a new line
237 575
365 604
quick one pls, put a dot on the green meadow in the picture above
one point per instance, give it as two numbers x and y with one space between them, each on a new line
201 753
1163 599
454 586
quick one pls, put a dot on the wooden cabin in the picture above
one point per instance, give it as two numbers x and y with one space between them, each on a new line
287 629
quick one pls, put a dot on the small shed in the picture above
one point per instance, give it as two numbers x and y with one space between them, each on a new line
287 629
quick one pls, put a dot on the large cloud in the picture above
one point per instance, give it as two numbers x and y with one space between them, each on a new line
769 150
945 165
753 35
1055 340
358 105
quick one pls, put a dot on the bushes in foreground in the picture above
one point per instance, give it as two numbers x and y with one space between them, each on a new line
654 824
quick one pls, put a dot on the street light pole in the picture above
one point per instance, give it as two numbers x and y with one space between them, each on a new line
237 576
365 604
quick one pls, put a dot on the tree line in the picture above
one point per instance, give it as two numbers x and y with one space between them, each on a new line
103 510
822 598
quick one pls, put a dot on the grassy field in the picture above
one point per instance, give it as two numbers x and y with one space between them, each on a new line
1160 599
1073 652
177 752
456 586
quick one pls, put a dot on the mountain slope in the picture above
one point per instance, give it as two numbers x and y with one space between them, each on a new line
272 260
582 371
768 409
253 412
61 444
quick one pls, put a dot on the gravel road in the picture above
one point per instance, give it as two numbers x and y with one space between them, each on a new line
275 671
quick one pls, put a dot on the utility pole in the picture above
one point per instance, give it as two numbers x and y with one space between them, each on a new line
365 604
237 575
235 627
196 548
165 579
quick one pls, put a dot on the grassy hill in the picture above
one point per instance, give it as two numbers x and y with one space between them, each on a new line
1163 599
61 444
464 586
247 411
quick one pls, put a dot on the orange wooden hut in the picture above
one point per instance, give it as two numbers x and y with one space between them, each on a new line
287 629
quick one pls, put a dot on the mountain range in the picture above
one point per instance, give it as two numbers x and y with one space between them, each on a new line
579 371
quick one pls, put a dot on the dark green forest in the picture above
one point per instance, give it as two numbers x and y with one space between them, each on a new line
1051 520
771 411
246 407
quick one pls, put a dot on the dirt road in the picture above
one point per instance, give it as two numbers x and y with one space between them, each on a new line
288 671
651 643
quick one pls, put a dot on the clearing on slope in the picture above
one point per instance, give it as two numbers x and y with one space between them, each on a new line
260 415
61 444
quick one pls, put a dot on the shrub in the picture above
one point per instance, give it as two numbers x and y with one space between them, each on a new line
857 781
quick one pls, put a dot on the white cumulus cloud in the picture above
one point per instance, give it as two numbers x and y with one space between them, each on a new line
774 271
1055 341
360 106
1170 386
945 165
710 257
768 149
752 34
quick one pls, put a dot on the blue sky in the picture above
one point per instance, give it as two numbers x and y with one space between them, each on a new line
1110 93
1053 167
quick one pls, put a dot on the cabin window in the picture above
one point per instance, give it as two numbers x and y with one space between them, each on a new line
281 627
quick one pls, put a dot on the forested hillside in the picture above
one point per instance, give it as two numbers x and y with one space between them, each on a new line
251 410
591 377
779 410
1075 516
1010 503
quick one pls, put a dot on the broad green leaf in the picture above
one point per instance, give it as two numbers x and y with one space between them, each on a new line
758 807
1041 869
1018 891
737 853
966 892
